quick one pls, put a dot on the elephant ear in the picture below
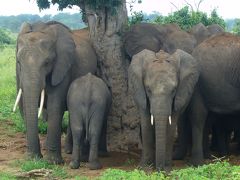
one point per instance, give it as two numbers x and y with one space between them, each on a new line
188 77
65 50
25 28
135 80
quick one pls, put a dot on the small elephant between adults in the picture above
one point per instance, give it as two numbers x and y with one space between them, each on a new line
48 58
162 85
89 102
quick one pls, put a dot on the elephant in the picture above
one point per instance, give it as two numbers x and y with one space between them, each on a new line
217 90
89 102
48 58
162 85
168 37
201 32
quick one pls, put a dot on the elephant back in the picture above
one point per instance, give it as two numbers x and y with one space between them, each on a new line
143 36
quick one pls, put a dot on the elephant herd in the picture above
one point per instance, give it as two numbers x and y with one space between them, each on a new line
184 81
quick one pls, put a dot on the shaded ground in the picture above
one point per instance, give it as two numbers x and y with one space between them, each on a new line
13 147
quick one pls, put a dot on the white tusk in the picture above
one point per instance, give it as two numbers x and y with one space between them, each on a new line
41 103
17 99
151 119
170 120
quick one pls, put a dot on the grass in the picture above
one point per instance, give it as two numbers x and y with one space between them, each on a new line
7 176
28 165
213 171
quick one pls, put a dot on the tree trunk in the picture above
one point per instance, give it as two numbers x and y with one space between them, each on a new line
106 32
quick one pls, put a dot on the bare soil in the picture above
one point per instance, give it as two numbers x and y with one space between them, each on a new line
13 147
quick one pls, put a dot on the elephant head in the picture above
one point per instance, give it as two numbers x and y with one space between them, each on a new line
162 84
44 55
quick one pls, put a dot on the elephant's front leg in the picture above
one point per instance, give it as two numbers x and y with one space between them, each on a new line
171 130
147 134
55 108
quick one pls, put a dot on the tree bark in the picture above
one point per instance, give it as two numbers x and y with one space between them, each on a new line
106 32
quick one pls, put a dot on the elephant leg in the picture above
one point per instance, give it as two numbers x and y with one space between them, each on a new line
94 136
68 140
147 133
77 132
198 114
103 140
183 139
171 130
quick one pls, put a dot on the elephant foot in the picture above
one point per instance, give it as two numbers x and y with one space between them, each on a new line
93 165
167 169
196 161
84 158
31 155
74 164
54 157
146 163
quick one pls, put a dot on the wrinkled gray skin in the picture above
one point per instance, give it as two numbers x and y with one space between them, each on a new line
48 58
162 85
89 101
201 32
218 86
154 37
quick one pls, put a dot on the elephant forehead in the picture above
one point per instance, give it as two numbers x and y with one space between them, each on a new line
161 72
34 37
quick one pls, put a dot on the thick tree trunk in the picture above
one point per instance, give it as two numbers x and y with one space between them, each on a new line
106 31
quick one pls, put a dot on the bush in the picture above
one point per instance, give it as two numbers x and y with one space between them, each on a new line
6 37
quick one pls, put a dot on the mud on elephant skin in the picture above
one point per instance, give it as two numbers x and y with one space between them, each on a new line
162 85
89 102
48 59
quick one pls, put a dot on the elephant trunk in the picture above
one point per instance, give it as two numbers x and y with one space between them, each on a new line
31 93
161 140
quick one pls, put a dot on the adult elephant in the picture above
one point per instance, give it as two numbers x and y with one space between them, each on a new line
202 32
168 37
218 86
162 85
48 58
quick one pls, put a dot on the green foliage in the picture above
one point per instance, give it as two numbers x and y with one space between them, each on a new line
6 37
213 171
7 176
136 17
94 4
186 19
13 23
115 174
236 27
28 165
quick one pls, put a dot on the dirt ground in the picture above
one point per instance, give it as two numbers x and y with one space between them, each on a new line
13 147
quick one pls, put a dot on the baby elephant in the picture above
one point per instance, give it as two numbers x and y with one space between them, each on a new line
89 101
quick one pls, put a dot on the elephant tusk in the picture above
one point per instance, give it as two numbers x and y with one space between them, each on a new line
151 119
41 103
170 120
17 99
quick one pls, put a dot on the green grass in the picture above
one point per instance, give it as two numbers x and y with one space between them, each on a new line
8 92
28 165
7 176
213 171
